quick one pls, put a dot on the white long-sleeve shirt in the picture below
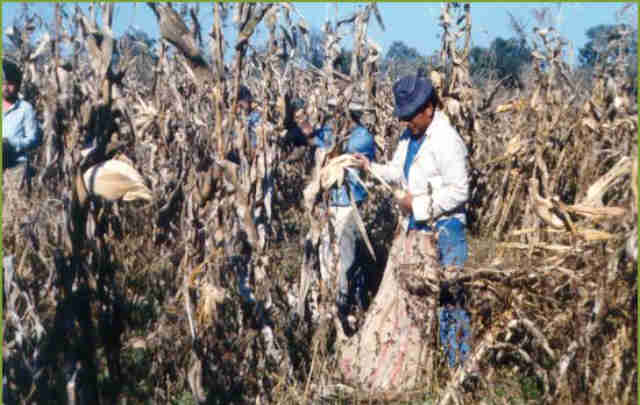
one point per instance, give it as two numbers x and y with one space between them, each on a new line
439 175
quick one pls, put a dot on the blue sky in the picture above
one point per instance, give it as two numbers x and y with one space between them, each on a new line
413 23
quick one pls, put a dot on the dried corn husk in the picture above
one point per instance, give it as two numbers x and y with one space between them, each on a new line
210 296
114 180
542 207
545 246
136 342
514 145
516 105
595 212
600 187
333 172
436 79
504 107
43 46
589 235
631 246
634 183
590 123
593 235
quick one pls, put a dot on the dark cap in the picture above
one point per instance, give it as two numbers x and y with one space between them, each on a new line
11 72
411 93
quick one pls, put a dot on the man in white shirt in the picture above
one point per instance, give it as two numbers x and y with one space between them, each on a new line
430 163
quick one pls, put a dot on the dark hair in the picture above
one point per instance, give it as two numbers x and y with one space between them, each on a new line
244 93
356 116
12 72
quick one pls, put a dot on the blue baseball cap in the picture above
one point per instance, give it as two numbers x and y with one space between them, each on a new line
411 92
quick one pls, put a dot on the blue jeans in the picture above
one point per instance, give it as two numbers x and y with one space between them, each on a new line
452 242
454 333
454 321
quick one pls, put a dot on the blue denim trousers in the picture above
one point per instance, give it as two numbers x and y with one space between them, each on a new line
452 242
455 333
454 321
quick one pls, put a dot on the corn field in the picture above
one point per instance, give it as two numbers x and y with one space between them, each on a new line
122 254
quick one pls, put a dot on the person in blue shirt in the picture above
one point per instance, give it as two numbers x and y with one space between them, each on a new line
20 135
20 132
251 116
337 250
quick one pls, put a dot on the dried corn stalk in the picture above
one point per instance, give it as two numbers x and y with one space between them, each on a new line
455 88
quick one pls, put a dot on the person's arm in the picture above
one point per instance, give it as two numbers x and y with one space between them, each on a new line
392 171
451 159
32 137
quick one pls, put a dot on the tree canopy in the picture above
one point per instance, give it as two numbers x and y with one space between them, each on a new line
403 59
505 58
599 38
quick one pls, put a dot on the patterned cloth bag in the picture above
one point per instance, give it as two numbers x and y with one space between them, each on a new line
396 345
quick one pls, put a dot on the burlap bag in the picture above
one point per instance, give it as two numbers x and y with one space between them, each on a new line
395 347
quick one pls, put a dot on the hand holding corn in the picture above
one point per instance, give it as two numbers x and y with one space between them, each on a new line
403 197
405 200
361 160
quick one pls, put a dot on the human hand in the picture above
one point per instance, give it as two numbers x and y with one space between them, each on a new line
361 160
306 128
405 201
